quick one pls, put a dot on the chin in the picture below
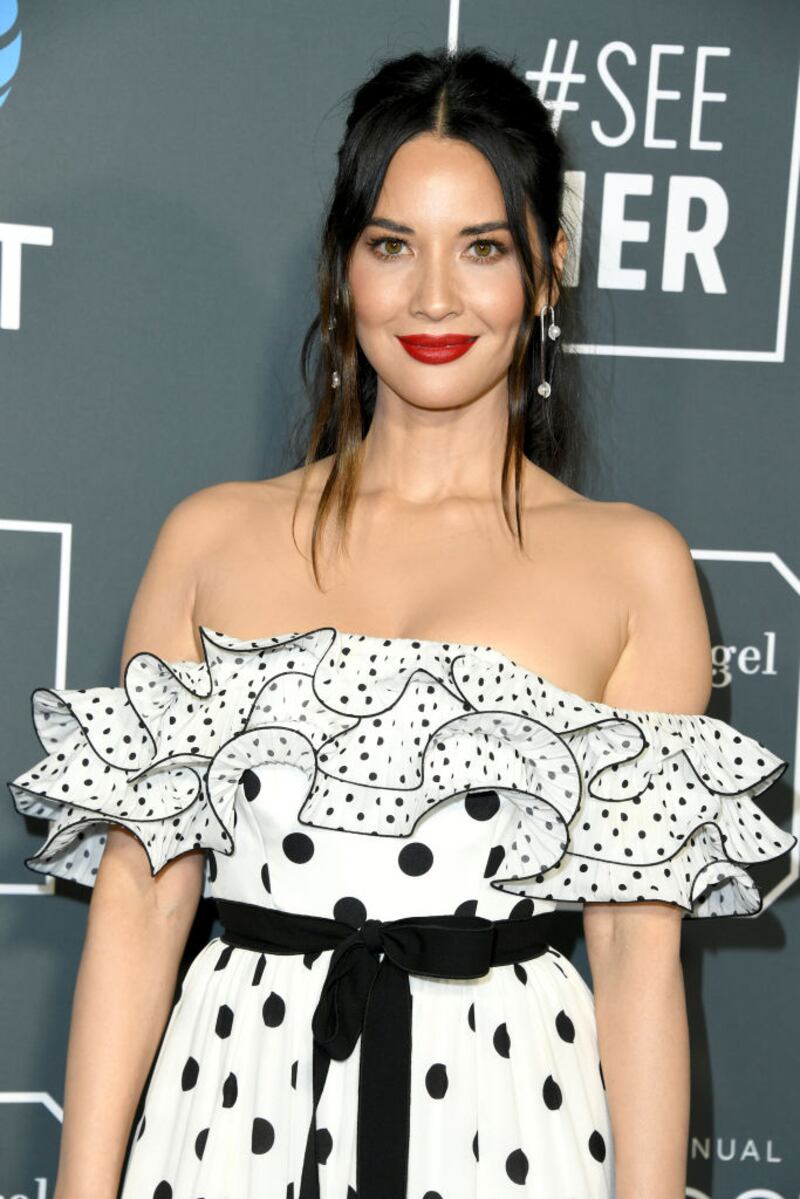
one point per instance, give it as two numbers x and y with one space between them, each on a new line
434 401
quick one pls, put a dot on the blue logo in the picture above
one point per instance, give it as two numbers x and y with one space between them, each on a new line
9 51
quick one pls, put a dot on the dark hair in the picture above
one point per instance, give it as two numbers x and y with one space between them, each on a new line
477 97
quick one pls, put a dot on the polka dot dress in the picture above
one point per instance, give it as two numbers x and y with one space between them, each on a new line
356 777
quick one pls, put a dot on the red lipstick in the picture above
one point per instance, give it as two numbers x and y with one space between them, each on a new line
445 347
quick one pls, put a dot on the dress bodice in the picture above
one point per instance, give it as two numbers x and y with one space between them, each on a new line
429 748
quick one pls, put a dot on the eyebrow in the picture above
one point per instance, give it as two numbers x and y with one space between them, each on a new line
467 231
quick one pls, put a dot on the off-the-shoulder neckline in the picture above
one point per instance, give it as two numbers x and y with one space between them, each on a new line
275 639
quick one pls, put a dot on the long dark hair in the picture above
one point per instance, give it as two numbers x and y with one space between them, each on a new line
477 97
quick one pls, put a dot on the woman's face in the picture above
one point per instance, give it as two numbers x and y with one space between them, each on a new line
420 266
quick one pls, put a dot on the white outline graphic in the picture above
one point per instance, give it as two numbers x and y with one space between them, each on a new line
64 530
778 354
44 1097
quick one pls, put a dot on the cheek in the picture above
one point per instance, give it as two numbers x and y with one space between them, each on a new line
497 296
376 297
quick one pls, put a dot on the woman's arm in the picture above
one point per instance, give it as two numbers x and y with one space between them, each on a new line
135 935
137 924
644 1043
634 948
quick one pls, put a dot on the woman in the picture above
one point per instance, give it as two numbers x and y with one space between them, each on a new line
508 704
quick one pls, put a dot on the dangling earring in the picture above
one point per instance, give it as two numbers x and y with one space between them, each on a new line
548 337
335 376
332 321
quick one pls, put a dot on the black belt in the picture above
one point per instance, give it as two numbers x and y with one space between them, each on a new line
364 995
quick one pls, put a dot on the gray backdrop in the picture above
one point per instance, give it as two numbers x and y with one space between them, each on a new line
163 169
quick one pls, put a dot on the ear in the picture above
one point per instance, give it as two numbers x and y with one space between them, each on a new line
559 254
559 257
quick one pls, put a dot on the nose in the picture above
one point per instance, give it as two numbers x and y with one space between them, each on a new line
436 291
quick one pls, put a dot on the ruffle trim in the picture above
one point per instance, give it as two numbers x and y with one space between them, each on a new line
106 764
611 805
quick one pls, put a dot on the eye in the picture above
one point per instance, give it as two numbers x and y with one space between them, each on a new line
491 243
374 242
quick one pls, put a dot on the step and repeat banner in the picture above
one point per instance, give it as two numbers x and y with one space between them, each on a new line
163 172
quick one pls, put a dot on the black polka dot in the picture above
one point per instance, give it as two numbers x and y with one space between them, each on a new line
274 1010
475 1147
415 859
200 1142
163 1191
224 958
521 972
265 879
564 1027
482 805
467 907
517 1167
259 970
263 1135
597 1146
471 1016
293 1076
141 1126
230 1090
190 1073
436 1080
551 1093
501 1040
431 1195
350 910
250 784
224 1021
494 861
522 909
322 1145
298 847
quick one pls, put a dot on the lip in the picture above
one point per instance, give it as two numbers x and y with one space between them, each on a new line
433 349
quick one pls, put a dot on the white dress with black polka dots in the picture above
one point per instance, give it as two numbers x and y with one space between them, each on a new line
352 776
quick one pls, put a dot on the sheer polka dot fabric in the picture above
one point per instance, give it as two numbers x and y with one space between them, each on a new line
356 777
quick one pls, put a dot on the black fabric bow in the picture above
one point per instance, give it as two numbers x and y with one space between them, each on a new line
367 993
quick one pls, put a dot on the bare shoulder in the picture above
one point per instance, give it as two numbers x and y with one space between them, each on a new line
225 525
191 536
204 515
160 616
654 561
631 538
271 496
637 569
204 518
665 665
646 532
